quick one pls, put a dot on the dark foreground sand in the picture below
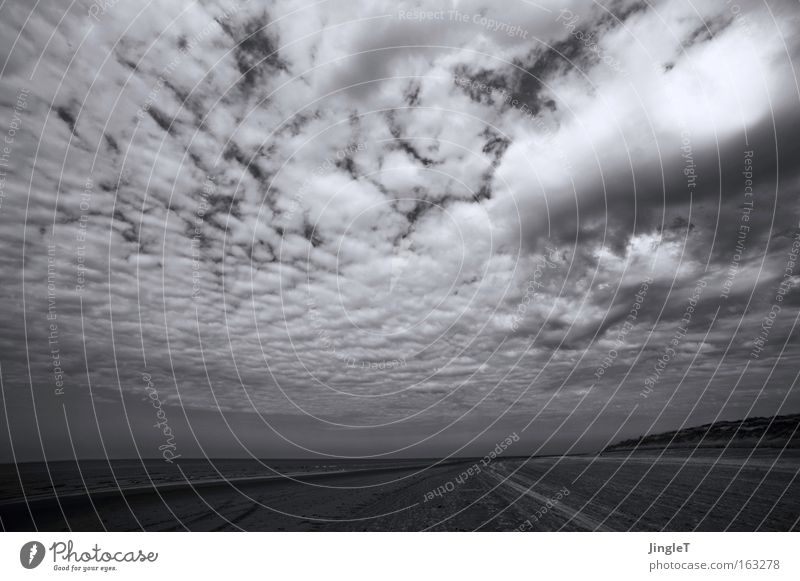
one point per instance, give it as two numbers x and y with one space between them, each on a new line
705 490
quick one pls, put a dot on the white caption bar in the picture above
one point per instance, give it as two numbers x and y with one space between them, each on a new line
400 556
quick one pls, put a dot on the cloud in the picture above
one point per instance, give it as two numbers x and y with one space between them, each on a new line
342 212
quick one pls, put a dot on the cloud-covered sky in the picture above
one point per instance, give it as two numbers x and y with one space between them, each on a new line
378 227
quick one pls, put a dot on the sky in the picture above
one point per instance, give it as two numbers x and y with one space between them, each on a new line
378 229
